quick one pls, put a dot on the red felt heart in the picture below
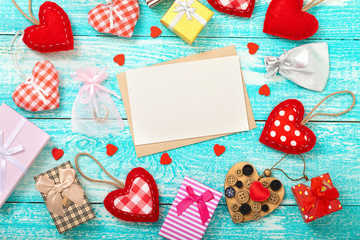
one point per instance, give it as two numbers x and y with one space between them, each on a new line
264 90
155 32
165 159
283 129
285 18
219 149
57 153
125 16
111 149
120 59
54 32
138 201
253 47
44 77
258 192
241 8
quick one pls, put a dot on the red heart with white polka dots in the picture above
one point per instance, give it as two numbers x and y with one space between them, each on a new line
283 130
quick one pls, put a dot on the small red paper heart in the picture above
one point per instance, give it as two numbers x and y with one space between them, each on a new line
111 149
53 33
264 90
155 31
219 149
119 59
241 8
287 20
138 201
57 153
165 159
258 192
253 47
283 130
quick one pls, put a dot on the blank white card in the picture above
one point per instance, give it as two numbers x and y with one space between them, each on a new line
187 100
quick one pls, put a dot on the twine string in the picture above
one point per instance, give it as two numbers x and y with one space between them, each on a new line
117 183
309 116
311 4
29 17
279 169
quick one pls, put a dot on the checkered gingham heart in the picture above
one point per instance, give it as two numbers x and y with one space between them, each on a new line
99 17
31 94
74 214
138 200
237 4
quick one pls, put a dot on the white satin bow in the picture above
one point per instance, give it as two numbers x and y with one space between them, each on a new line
110 4
184 7
306 65
66 187
40 91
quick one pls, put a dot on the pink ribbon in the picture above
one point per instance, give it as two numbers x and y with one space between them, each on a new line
92 77
200 200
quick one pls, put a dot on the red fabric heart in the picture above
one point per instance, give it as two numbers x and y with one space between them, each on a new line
219 149
57 153
258 192
111 149
120 59
165 159
241 8
138 201
155 32
46 77
285 18
253 47
125 16
54 32
283 129
264 90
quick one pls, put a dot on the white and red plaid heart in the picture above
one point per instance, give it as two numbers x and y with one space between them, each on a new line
125 14
41 91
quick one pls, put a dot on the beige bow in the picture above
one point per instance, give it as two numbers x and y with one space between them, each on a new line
66 186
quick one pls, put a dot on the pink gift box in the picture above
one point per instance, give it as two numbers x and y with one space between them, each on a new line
20 144
184 220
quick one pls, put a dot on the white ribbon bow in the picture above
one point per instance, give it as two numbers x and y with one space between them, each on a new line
184 8
40 91
6 154
110 4
306 65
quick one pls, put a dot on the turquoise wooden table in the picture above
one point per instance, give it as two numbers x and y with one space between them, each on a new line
24 215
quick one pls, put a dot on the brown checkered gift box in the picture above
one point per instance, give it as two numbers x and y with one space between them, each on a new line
74 214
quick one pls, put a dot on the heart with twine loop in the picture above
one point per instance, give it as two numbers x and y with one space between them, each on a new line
248 196
40 92
240 8
117 17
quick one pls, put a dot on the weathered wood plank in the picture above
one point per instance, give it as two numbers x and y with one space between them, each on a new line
34 222
334 16
344 74
336 152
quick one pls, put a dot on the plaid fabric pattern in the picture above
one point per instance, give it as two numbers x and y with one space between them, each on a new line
138 200
74 215
236 4
99 17
46 77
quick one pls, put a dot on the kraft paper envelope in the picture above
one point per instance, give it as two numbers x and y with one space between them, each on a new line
148 149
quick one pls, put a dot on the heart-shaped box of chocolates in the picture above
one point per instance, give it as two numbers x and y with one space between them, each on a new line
248 196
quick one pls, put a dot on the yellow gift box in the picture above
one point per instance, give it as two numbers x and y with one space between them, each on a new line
186 18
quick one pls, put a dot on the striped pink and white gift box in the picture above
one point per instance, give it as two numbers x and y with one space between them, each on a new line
188 225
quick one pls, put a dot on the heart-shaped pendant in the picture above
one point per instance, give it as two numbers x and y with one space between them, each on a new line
138 201
41 91
248 196
241 8
118 17
53 33
286 19
283 129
